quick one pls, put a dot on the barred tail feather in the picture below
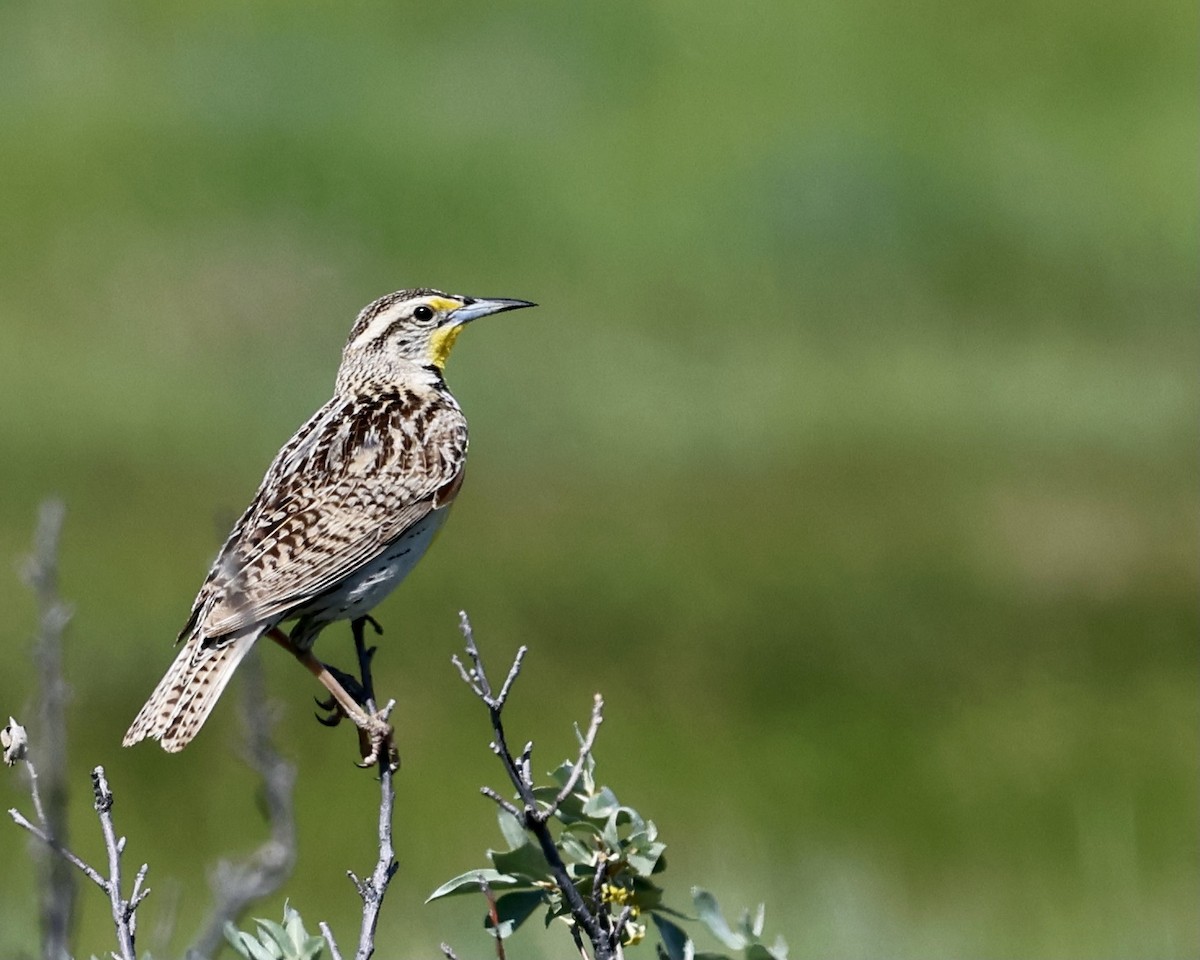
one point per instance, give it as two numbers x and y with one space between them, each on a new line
187 694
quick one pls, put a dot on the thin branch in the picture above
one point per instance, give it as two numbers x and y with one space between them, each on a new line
586 742
123 911
494 915
334 952
237 885
578 938
88 871
617 930
373 889
532 816
56 882
513 672
506 805
598 882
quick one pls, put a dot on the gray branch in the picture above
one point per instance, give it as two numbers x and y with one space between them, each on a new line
372 889
56 880
124 911
334 952
596 926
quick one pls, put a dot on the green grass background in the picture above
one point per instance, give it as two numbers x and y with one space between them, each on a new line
850 454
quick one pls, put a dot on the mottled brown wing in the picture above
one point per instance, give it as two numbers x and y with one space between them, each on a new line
353 479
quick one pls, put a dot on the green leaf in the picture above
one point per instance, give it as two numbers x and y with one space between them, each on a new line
502 932
587 829
268 928
526 862
759 951
511 827
710 915
649 896
571 807
760 916
645 860
469 883
289 941
514 909
575 849
248 946
562 773
630 816
603 803
677 944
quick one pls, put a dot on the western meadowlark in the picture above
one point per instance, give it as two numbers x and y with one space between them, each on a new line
346 509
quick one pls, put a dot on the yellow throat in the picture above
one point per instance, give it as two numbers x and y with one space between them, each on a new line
441 343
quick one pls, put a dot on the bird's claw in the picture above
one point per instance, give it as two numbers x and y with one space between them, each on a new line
351 684
334 714
376 737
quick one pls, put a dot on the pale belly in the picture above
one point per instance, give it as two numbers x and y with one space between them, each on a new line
363 591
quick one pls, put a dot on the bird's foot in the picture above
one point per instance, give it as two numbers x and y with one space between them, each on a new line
376 739
334 712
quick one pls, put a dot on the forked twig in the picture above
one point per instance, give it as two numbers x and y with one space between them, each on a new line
595 925
124 911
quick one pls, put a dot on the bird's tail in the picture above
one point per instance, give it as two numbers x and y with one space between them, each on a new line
185 697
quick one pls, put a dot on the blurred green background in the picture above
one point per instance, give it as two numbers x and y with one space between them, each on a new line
850 454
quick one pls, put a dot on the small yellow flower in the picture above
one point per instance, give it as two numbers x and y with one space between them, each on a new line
613 894
635 934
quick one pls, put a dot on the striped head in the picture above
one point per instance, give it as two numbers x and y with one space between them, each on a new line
407 329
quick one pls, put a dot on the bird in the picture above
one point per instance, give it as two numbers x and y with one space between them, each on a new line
346 509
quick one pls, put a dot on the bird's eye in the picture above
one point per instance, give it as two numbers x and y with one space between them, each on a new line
423 313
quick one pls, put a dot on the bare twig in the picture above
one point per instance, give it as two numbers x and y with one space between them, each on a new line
372 889
476 677
506 805
237 885
596 926
494 915
578 938
586 742
124 911
86 869
57 891
334 952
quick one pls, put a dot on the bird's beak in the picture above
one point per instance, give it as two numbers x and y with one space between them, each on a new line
474 309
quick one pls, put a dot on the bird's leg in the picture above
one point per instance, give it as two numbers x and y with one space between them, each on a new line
351 685
374 732
362 690
365 654
367 685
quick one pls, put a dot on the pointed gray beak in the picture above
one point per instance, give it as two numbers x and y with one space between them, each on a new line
474 309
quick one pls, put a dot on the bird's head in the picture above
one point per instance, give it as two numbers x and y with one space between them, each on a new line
412 328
